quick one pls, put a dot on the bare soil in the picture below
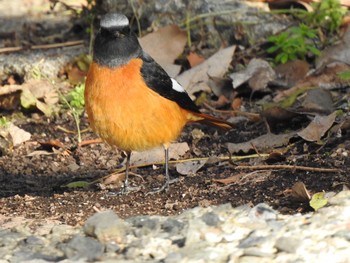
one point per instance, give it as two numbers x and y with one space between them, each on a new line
32 185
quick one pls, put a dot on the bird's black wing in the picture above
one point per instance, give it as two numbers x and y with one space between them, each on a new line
158 80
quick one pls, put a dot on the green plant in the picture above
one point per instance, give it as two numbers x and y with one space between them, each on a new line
294 43
344 75
306 38
327 14
75 102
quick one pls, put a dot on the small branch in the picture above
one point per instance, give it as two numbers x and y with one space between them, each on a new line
46 46
223 158
289 167
88 142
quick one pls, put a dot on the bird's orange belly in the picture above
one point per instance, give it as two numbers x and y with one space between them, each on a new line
124 112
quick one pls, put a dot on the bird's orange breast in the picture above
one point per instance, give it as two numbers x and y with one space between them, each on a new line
128 114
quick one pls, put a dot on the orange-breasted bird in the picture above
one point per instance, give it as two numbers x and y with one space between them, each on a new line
130 100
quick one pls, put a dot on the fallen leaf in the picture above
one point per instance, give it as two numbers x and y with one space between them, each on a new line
51 143
10 101
176 150
262 143
318 200
164 46
221 87
275 115
230 180
18 135
190 168
318 127
288 74
194 59
299 192
317 101
258 74
196 79
39 153
339 52
27 98
116 179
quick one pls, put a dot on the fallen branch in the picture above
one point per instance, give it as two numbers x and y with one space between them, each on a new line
45 46
289 167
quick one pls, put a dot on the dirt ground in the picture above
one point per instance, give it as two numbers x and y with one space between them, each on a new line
32 185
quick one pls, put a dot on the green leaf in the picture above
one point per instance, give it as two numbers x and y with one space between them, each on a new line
27 99
318 201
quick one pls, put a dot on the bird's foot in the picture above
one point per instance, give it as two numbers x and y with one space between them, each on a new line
164 187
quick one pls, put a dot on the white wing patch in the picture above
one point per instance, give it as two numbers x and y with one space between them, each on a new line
176 86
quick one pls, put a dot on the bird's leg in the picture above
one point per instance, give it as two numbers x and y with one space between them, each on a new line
127 165
126 188
165 186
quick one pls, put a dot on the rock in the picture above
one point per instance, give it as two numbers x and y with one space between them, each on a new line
218 19
210 218
81 247
287 244
106 227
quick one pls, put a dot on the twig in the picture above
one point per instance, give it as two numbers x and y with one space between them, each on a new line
223 158
289 167
88 142
46 46
255 117
137 18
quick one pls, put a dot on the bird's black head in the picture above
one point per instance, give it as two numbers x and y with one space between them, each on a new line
115 44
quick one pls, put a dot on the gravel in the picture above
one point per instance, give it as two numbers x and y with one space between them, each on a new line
213 234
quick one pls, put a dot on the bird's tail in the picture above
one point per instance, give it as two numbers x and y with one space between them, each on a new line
212 121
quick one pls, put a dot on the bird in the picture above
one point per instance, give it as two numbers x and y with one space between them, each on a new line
131 101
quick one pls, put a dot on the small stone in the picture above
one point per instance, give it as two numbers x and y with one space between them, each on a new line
173 258
81 247
144 225
106 226
251 259
288 244
343 234
259 252
172 226
262 212
60 233
211 219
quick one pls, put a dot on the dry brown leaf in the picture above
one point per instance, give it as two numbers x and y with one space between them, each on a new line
258 74
164 46
190 168
318 127
221 86
317 101
230 180
262 143
299 192
115 179
290 73
176 150
18 135
339 52
9 101
196 79
194 59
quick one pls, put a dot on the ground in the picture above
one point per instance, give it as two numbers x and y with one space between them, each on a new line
32 185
